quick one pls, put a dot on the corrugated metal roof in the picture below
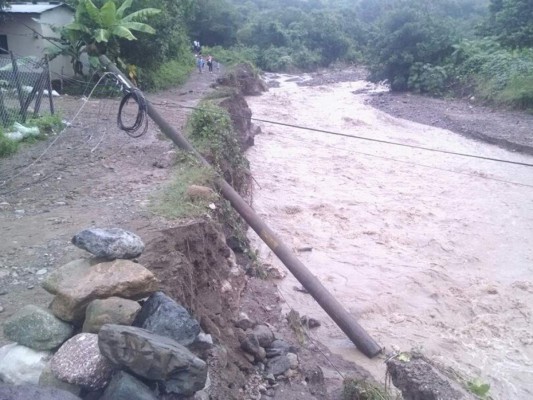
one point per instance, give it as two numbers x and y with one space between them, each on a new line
29 8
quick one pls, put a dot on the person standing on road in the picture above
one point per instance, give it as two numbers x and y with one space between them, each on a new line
200 63
210 63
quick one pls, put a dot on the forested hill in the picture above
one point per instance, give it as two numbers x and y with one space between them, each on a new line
460 47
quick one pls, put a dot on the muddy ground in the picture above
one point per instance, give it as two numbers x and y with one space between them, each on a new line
94 175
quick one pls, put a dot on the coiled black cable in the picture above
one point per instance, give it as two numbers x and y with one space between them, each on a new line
140 126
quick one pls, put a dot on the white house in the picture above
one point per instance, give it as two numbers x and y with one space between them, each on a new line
24 27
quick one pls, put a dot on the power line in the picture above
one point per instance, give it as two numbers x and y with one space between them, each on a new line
375 140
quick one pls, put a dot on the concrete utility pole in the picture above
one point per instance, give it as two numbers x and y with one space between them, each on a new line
333 308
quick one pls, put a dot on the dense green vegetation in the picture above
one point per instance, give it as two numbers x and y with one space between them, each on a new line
465 47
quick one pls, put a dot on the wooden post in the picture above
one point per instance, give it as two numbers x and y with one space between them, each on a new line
40 93
30 97
49 84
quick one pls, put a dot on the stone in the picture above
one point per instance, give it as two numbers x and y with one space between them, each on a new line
154 357
250 344
21 365
79 282
163 316
25 392
80 362
196 192
278 365
113 310
417 379
48 379
280 347
201 345
36 328
293 360
264 335
244 322
123 386
111 243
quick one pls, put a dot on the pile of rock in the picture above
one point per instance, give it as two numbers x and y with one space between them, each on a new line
95 340
276 358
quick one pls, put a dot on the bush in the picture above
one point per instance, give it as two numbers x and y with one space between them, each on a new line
47 124
427 78
7 146
234 55
169 74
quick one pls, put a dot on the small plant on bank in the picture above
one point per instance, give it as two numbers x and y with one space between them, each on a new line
174 201
354 389
47 124
7 146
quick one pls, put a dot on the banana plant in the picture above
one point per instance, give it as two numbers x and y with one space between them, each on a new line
101 28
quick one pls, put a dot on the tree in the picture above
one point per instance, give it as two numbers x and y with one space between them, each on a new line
511 21
101 28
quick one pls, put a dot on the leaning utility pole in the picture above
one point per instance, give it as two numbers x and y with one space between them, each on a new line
333 308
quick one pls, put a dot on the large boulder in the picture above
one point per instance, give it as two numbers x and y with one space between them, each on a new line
123 386
79 282
80 362
21 365
37 328
154 357
109 311
163 316
109 243
30 392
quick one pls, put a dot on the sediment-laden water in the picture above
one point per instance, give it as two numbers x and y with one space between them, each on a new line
428 250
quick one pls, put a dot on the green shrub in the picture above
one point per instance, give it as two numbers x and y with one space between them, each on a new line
427 78
169 74
234 55
47 123
7 146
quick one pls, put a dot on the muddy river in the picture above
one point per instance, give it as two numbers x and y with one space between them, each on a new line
428 251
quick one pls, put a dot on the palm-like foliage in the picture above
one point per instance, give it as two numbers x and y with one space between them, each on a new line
100 28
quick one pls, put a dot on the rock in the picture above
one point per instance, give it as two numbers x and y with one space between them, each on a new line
42 271
264 335
163 316
166 160
113 310
36 328
293 360
125 387
26 392
245 79
196 192
278 365
109 243
241 117
417 379
280 347
80 362
79 282
154 357
48 379
250 344
201 345
21 365
244 322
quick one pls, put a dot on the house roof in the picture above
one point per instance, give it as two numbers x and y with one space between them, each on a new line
30 8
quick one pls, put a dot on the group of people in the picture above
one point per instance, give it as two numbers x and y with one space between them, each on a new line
200 63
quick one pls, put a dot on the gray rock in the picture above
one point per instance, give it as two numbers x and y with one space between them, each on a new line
280 347
109 243
26 392
293 360
125 387
163 316
278 365
48 379
417 379
80 362
113 310
201 346
37 328
154 357
21 365
264 335
244 322
250 344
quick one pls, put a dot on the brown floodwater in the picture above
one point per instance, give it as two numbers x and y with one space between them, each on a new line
428 251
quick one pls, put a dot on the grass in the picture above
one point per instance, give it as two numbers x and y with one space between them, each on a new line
174 202
354 389
7 146
170 74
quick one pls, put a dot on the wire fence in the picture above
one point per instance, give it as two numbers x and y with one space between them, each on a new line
24 83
